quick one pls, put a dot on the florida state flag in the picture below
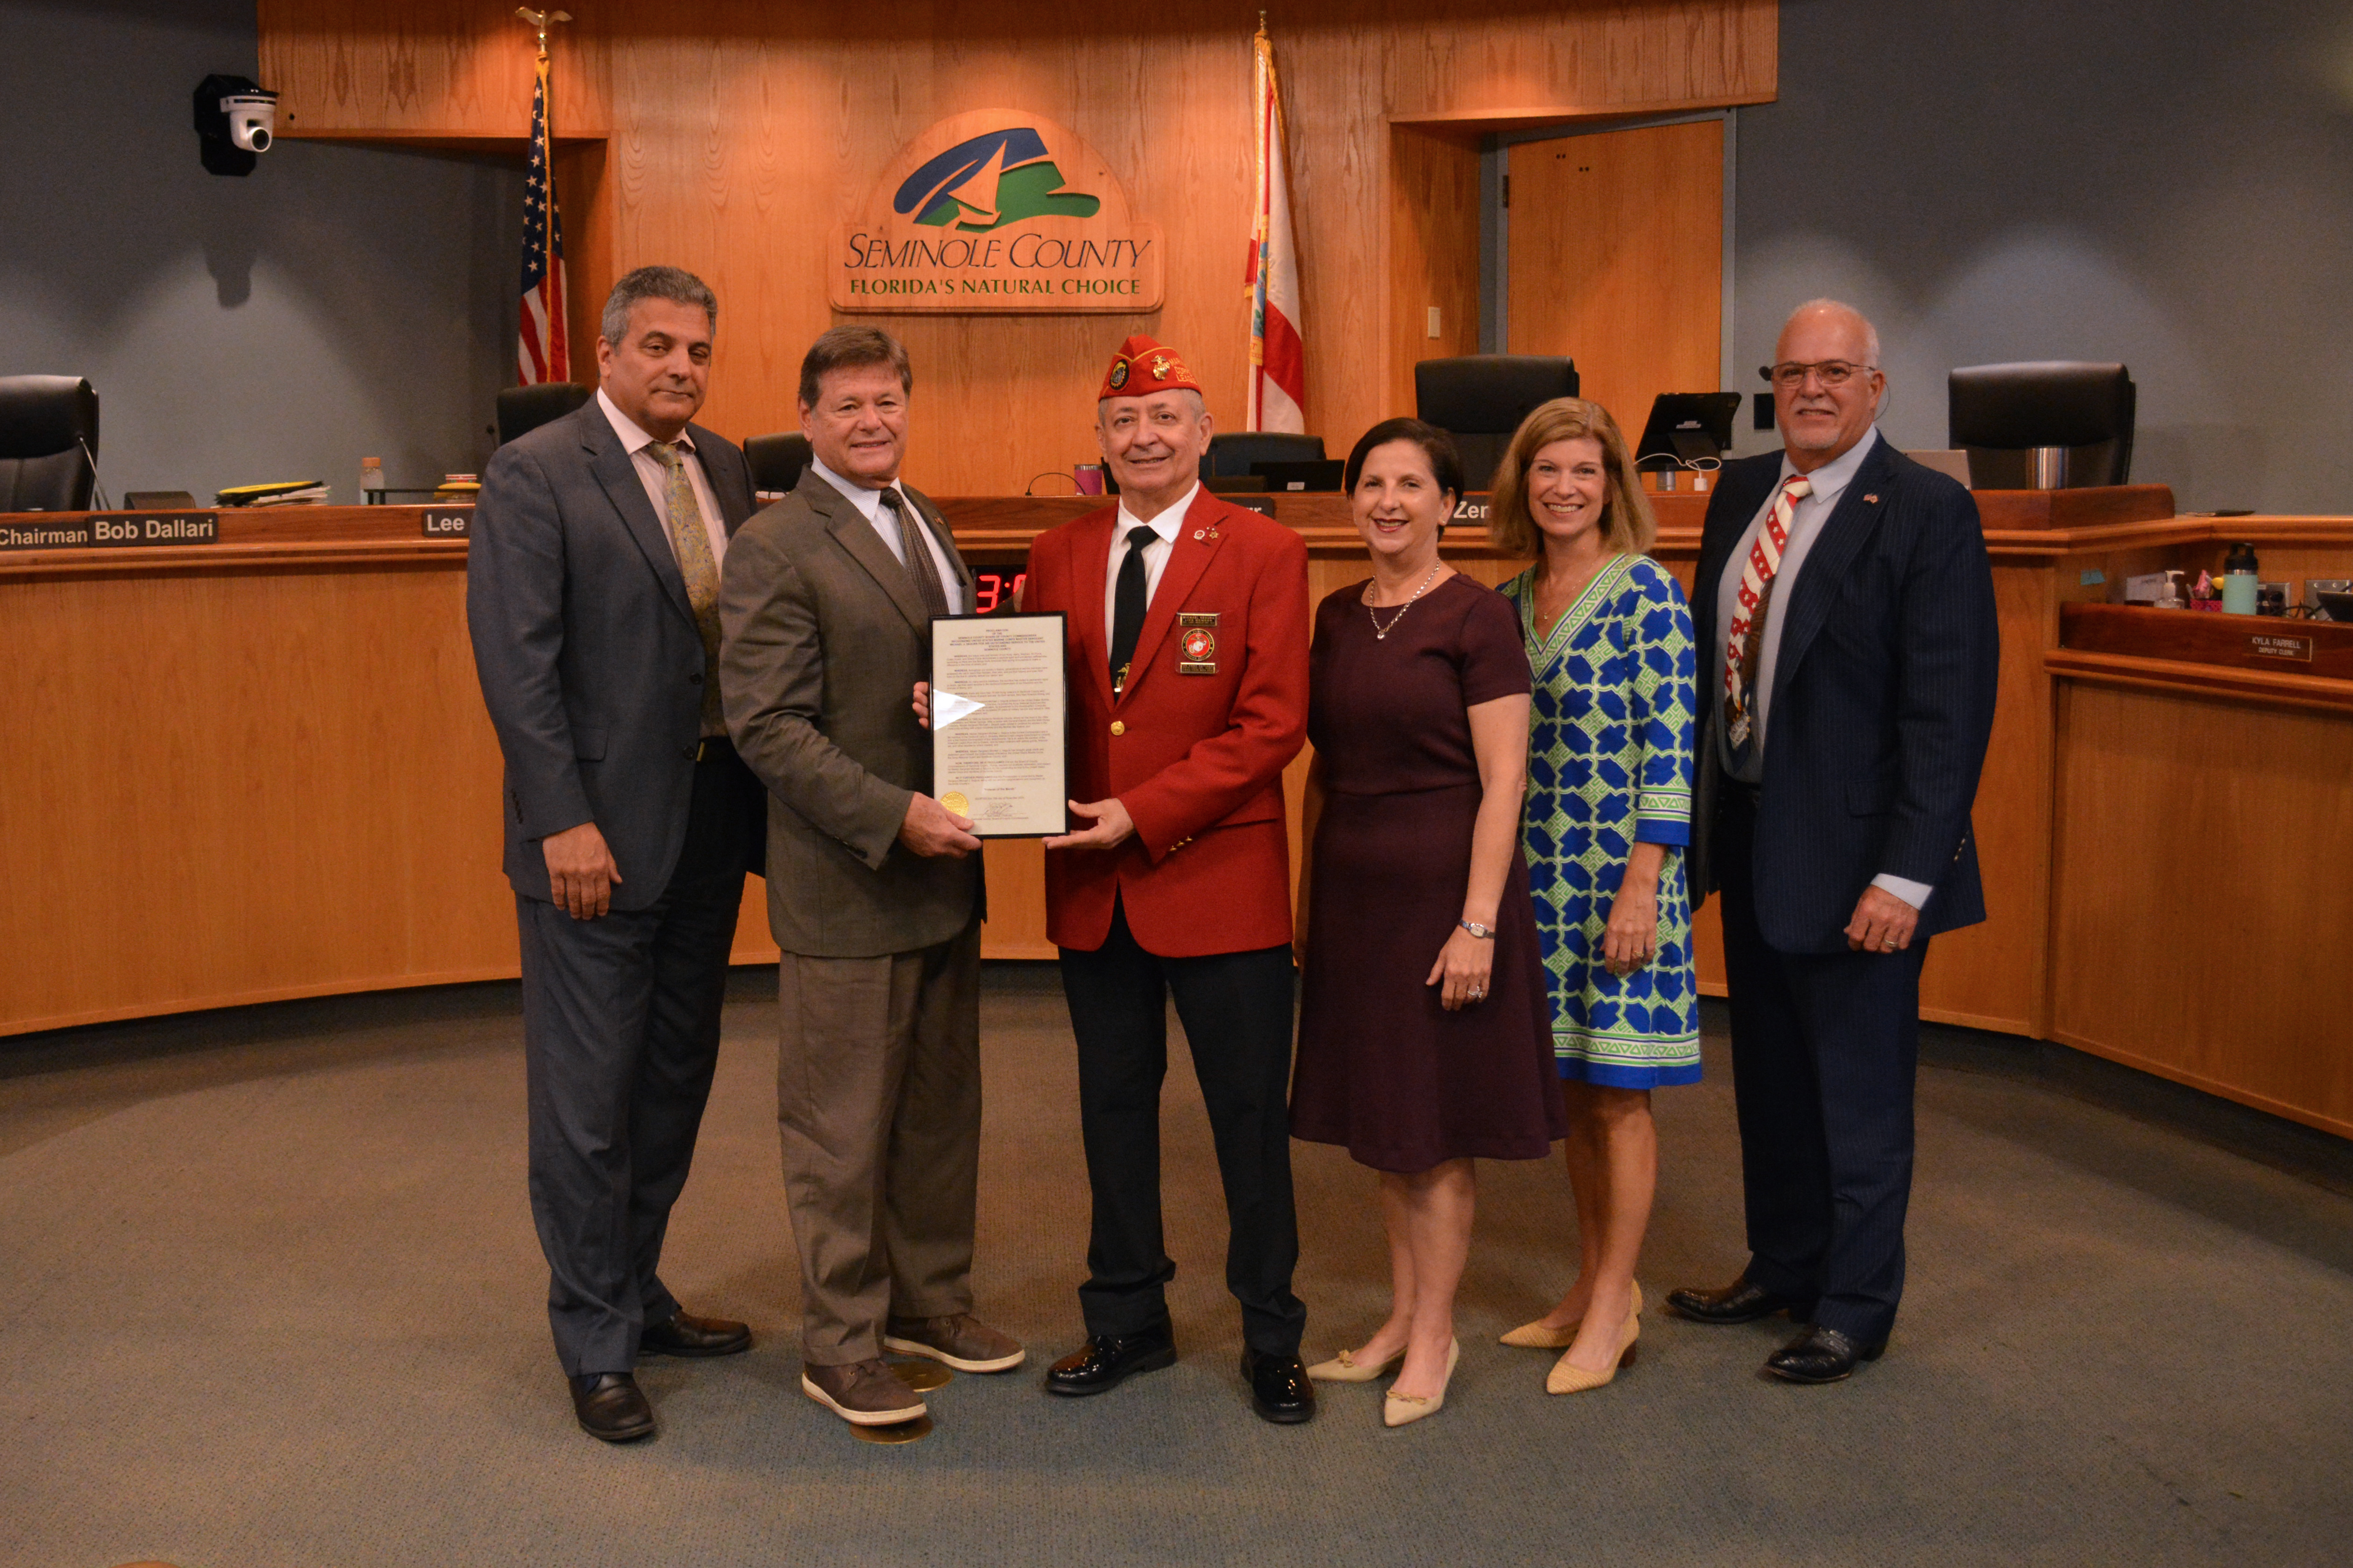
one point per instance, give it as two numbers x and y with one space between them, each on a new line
1278 373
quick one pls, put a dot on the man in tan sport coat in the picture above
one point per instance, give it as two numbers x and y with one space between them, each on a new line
874 891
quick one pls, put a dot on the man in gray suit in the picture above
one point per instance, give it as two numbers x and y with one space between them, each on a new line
874 891
591 593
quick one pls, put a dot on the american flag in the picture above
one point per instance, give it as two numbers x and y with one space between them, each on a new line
544 349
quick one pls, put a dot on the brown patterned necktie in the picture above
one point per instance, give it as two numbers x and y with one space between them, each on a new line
691 544
916 553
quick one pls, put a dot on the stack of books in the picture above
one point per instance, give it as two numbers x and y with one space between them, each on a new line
286 492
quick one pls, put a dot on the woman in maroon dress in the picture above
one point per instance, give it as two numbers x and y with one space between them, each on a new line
1425 1036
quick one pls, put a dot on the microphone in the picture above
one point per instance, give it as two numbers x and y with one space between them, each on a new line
97 490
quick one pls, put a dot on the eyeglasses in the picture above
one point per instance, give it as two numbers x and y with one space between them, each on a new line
1832 374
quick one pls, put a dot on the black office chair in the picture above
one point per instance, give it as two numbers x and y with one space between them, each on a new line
1480 399
776 461
522 409
1232 453
48 443
2043 425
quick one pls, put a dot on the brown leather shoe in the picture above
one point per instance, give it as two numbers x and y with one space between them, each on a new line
862 1392
686 1334
962 1342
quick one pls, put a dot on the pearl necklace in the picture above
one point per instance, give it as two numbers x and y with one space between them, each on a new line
1380 632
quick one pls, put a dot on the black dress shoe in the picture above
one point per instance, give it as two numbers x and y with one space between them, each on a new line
686 1334
610 1406
1110 1360
1738 1302
1280 1391
1820 1355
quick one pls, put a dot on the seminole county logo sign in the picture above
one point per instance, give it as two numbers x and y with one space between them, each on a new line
997 211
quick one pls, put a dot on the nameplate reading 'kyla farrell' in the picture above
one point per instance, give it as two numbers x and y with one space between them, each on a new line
108 530
2275 645
997 211
448 522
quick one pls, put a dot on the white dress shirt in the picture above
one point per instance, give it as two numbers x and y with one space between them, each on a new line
1156 551
1829 482
869 502
655 478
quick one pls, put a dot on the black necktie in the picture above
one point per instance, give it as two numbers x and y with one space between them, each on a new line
1128 601
917 556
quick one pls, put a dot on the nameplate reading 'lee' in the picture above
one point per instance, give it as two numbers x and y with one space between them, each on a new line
447 523
111 531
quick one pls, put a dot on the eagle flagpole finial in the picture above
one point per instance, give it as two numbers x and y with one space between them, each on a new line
541 20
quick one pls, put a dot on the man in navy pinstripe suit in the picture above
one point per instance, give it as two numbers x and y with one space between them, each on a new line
1851 695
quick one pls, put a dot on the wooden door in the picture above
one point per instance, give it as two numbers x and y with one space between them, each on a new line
1616 258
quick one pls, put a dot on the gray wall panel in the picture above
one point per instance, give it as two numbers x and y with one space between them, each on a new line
338 302
2168 184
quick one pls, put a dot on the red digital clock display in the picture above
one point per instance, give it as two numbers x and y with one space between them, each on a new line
995 586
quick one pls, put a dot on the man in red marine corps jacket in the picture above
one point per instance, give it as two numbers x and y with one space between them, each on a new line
1186 626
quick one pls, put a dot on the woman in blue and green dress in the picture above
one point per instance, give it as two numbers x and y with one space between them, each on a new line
1609 637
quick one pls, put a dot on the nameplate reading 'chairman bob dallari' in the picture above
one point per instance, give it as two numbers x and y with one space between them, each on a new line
108 530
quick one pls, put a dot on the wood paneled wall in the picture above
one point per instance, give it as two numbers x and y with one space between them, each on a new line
1617 259
739 132
1433 259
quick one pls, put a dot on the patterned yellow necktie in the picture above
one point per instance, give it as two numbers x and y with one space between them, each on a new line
692 547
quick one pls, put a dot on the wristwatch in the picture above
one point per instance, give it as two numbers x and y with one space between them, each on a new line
1484 933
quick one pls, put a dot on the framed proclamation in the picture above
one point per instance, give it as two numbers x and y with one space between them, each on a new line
1000 722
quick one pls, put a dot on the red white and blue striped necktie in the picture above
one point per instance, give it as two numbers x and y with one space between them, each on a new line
1746 640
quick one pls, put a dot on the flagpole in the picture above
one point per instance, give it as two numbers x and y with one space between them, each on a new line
1277 358
544 349
1260 46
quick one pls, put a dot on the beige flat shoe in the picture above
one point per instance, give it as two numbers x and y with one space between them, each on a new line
1404 1409
1540 1336
1345 1368
1565 1379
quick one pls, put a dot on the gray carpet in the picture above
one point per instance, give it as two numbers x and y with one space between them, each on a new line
268 1295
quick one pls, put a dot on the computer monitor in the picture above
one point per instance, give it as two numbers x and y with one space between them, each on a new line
1323 474
1685 425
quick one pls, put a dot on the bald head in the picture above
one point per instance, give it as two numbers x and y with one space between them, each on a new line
1827 384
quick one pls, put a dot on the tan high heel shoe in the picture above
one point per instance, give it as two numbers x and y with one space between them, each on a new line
1565 1378
1540 1336
1345 1368
1404 1409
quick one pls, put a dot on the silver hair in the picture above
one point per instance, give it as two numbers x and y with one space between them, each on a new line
672 283
1869 333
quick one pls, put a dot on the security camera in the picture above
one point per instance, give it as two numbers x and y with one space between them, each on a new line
251 118
237 118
